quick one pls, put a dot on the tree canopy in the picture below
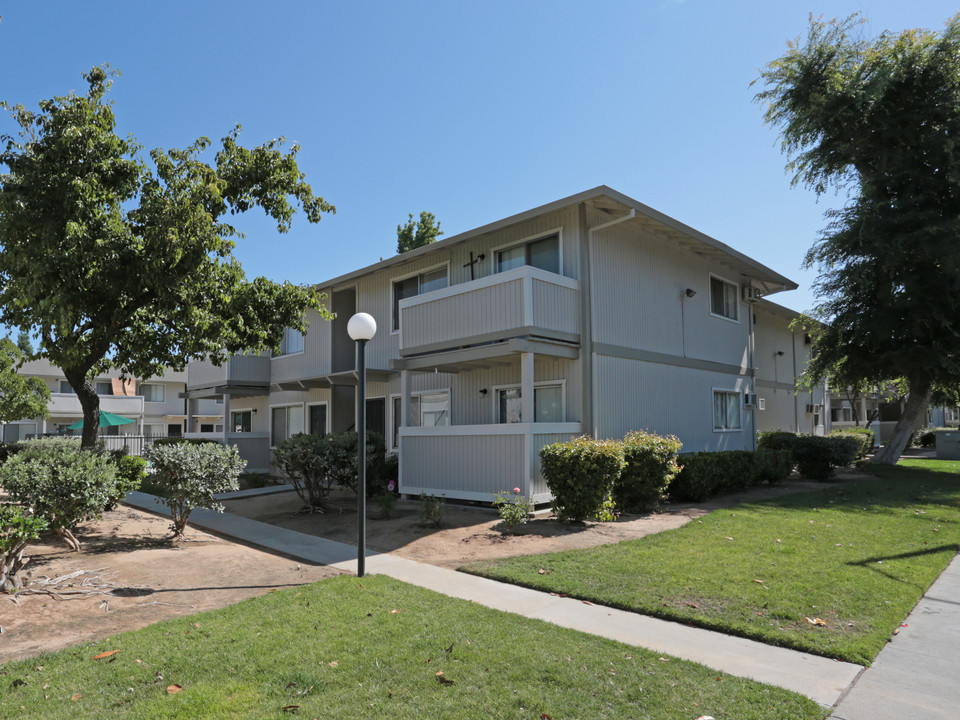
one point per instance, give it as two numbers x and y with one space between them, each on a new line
114 259
21 397
417 233
879 118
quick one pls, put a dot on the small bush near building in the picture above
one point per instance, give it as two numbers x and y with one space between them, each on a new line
651 463
315 464
815 456
514 508
705 474
581 474
17 528
432 510
863 436
772 466
191 474
131 472
927 437
8 449
60 483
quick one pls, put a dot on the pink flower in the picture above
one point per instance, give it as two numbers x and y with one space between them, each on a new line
517 490
390 486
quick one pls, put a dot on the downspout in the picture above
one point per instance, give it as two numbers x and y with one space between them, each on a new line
753 376
796 393
586 315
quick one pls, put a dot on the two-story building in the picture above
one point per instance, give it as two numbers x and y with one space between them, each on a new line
593 314
154 404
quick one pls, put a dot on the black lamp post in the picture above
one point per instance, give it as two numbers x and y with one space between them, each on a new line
360 328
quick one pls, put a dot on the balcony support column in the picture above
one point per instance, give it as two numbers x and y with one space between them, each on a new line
227 422
527 417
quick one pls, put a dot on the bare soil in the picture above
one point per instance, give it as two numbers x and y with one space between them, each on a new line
134 576
474 532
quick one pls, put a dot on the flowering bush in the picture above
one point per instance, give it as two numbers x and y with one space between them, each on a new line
514 508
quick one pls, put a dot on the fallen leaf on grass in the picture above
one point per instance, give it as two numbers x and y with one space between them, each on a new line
394 612
76 697
727 538
108 653
544 716
758 581
333 663
815 621
444 681
174 689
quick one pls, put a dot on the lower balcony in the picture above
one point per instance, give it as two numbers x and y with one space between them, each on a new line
475 462
253 447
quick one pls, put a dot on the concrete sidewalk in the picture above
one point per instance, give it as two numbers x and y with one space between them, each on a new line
917 675
818 678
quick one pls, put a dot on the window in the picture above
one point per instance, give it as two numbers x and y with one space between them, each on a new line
318 419
104 387
547 404
417 285
396 410
66 388
13 433
724 300
153 392
543 254
174 430
427 409
206 427
285 422
291 343
219 400
376 416
240 420
844 413
726 410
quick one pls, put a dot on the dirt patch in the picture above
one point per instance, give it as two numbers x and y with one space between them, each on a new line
142 578
470 533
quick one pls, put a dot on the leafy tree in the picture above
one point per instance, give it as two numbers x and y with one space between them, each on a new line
20 397
18 526
25 344
879 118
416 234
115 260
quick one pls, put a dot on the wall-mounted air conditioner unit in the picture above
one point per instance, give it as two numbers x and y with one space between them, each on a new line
750 294
750 399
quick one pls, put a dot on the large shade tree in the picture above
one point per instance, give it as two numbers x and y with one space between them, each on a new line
112 259
880 119
417 233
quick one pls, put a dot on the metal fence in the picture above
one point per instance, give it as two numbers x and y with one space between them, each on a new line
133 444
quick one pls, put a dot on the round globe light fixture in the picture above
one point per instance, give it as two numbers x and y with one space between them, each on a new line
362 326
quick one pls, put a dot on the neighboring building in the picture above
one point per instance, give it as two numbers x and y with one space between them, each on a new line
593 314
780 358
155 404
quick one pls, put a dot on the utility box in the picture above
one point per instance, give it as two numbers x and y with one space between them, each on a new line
948 445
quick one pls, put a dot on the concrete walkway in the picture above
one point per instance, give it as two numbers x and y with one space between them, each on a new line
818 678
917 675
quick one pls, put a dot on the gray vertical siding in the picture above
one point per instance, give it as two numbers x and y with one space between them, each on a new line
471 467
665 399
555 306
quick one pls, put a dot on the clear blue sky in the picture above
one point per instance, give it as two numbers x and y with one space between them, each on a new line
471 110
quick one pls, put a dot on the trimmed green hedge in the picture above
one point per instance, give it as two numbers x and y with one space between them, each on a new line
651 463
863 436
581 474
815 456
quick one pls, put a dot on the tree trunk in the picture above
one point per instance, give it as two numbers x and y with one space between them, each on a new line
90 403
10 568
913 412
69 538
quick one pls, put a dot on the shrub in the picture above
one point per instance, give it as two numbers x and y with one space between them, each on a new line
432 510
772 466
8 449
131 472
705 474
581 474
60 483
777 440
863 437
315 464
815 456
927 437
651 463
17 528
191 474
513 507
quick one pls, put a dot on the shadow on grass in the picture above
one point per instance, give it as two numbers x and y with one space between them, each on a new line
874 564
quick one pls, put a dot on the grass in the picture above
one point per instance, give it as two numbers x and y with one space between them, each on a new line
373 648
856 557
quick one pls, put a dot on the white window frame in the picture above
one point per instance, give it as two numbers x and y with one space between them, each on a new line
109 382
306 416
285 405
416 394
159 385
395 321
239 410
281 354
393 425
558 231
60 390
724 280
713 419
517 386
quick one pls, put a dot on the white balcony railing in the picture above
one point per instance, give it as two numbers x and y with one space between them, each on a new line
68 405
475 462
520 301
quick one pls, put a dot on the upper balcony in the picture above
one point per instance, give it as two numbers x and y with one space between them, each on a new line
250 373
68 405
519 302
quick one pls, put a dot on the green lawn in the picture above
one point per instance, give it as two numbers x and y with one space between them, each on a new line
857 557
373 648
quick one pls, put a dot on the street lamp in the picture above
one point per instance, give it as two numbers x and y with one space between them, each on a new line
360 328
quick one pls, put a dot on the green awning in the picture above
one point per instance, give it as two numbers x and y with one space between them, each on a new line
106 420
